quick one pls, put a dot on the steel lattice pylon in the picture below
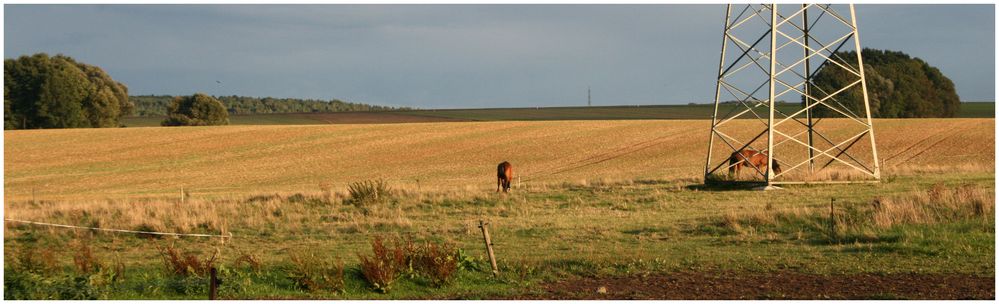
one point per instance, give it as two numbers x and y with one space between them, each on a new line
788 42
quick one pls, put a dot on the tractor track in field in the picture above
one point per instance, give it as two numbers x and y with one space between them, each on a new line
916 144
606 156
775 285
935 143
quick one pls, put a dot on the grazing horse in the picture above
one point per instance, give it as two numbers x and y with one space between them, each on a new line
749 157
504 174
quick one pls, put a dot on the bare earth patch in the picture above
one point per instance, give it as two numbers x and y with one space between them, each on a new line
779 285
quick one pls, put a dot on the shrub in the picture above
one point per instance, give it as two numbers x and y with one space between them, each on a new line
34 260
313 273
383 266
196 110
186 264
438 262
368 192
84 260
98 272
33 275
468 262
32 286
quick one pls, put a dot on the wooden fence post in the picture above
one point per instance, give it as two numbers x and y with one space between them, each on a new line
213 284
489 246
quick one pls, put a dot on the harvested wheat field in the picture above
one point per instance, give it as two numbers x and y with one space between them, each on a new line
111 163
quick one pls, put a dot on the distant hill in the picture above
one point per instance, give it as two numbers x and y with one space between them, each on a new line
156 105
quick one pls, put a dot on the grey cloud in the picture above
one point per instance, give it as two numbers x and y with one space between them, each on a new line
454 55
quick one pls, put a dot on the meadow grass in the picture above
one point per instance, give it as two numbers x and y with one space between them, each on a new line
914 224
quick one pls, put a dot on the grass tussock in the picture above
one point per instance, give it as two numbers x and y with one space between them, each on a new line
870 222
248 261
938 204
369 192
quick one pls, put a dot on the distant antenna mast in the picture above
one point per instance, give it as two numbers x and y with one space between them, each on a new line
589 102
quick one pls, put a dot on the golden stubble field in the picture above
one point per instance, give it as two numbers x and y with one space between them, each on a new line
87 164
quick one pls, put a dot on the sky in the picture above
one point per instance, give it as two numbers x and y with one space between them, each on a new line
456 56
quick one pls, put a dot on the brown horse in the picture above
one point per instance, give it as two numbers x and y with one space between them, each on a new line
504 174
749 158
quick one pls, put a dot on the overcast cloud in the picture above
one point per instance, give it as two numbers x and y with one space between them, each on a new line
454 56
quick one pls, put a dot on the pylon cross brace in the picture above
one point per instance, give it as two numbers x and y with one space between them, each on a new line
795 28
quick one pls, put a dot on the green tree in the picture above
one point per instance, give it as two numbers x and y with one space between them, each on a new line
197 110
898 86
59 92
153 105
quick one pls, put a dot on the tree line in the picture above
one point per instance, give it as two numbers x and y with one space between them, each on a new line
158 105
42 91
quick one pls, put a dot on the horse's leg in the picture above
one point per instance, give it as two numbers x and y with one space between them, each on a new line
499 183
732 162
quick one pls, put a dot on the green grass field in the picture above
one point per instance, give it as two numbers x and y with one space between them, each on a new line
258 119
696 111
598 199
977 110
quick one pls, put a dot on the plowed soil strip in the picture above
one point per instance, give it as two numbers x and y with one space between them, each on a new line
780 285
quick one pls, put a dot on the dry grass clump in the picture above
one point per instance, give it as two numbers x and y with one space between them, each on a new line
154 215
185 264
860 222
938 204
313 273
248 260
369 192
829 174
747 222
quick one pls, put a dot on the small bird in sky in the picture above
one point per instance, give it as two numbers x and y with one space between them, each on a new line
219 82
